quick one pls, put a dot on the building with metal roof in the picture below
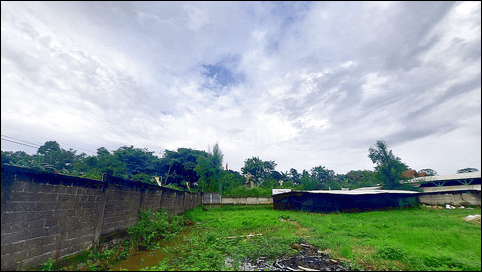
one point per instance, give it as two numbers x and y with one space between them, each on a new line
344 201
463 178
456 189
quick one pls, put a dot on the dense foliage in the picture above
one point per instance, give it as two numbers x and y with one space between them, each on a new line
467 170
389 167
196 170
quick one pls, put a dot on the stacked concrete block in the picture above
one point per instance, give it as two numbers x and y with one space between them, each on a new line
46 215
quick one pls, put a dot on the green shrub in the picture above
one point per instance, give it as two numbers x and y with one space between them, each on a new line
152 227
390 253
48 265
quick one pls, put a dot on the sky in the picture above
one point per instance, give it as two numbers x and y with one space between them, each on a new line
303 84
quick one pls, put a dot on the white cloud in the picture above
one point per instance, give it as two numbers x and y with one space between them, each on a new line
316 83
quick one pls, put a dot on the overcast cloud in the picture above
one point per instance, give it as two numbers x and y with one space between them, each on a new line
300 83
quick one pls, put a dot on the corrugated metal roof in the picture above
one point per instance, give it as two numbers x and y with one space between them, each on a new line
368 188
471 175
362 192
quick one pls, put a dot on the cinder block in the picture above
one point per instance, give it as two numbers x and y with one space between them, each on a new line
10 238
39 242
12 217
34 233
17 186
62 198
37 224
46 189
18 196
13 206
31 187
11 261
251 200
10 248
227 200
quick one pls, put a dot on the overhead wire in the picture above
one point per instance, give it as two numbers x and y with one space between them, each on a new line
20 143
20 140
46 138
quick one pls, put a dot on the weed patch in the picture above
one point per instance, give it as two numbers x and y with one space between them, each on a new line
146 233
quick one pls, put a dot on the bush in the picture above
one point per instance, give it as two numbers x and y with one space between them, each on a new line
154 226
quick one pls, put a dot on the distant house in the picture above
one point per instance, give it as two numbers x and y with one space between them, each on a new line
413 174
409 174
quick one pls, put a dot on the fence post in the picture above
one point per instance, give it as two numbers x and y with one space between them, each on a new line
100 218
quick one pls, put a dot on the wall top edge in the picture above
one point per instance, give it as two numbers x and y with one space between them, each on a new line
11 170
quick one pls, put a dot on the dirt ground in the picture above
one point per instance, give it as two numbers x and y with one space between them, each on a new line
309 258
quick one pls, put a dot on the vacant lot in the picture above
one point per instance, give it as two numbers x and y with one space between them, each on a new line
407 239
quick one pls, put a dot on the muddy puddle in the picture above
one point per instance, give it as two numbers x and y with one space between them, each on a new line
143 259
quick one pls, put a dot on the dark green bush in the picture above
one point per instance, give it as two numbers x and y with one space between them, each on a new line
153 226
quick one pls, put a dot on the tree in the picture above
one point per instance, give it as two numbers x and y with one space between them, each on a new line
467 170
210 170
361 178
178 167
428 172
294 175
308 182
217 157
261 170
322 174
207 174
19 158
389 167
135 163
48 147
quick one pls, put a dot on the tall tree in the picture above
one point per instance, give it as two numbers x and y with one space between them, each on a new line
136 163
389 167
48 147
261 170
178 167
294 175
210 170
308 182
217 157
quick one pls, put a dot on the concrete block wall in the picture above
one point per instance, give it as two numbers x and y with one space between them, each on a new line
215 198
168 201
452 198
121 206
247 200
47 215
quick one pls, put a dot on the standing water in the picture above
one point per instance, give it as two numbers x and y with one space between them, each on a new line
143 259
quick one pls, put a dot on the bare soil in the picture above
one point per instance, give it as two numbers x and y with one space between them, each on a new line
309 258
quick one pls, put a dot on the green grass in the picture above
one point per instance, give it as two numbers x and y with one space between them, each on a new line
403 239
410 239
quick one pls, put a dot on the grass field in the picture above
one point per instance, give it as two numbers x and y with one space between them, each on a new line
405 239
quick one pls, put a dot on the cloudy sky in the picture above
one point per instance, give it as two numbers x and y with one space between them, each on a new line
300 83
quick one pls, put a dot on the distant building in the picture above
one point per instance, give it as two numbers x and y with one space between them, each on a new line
413 174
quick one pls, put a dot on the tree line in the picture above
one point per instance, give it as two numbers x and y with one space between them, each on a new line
195 170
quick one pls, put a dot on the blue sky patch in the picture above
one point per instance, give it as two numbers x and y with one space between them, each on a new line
221 74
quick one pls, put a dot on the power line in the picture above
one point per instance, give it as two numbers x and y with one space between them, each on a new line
46 138
19 140
20 143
